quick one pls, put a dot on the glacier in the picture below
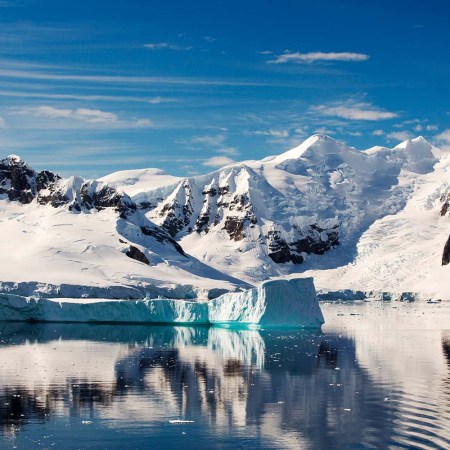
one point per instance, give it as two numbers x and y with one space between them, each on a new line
274 303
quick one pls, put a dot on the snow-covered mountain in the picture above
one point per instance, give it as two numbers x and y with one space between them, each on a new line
376 219
73 237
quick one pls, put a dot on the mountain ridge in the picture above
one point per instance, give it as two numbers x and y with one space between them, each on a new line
305 211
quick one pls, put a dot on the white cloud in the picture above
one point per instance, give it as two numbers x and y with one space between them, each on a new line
228 151
94 115
210 141
2 123
444 136
272 133
158 100
354 111
323 130
81 114
142 123
399 136
432 128
166 46
217 161
378 132
296 57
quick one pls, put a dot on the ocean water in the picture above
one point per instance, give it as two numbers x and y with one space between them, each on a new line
376 376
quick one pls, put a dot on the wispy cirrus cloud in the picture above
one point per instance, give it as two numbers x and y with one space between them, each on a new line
271 133
2 123
157 100
84 115
354 111
81 114
399 135
299 58
167 46
215 143
217 161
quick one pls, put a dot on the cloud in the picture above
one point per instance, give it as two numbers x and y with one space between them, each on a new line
444 136
323 130
2 123
296 57
354 111
209 141
81 114
158 100
217 161
272 133
143 123
166 46
399 136
228 151
378 132
432 128
90 116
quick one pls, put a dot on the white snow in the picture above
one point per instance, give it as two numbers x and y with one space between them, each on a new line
274 303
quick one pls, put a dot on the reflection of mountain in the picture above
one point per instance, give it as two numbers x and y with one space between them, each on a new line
283 389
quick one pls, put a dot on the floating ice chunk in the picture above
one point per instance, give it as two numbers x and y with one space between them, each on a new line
275 303
179 421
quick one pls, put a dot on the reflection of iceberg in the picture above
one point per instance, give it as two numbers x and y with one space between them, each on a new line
274 384
277 302
246 346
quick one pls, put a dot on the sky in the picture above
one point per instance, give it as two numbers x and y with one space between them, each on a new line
92 87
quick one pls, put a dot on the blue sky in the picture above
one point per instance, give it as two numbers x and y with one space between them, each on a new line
91 87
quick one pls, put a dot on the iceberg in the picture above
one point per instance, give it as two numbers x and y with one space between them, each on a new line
273 303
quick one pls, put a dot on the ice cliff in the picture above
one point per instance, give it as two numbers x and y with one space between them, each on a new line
273 303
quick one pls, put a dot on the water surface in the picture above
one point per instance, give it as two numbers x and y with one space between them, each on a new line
376 376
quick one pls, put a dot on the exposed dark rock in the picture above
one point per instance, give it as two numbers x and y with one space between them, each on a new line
281 251
17 180
135 253
176 215
446 254
235 228
212 192
203 222
162 237
100 199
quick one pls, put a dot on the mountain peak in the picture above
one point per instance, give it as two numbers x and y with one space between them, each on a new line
420 140
315 143
14 160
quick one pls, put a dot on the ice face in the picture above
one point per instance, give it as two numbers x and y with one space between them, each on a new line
273 303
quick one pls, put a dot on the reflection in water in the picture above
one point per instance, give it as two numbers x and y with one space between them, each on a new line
121 386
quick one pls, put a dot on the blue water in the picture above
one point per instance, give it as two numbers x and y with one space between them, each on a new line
376 376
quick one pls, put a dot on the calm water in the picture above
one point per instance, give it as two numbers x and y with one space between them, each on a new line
377 376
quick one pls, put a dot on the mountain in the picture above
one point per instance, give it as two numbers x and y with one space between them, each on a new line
366 220
74 236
